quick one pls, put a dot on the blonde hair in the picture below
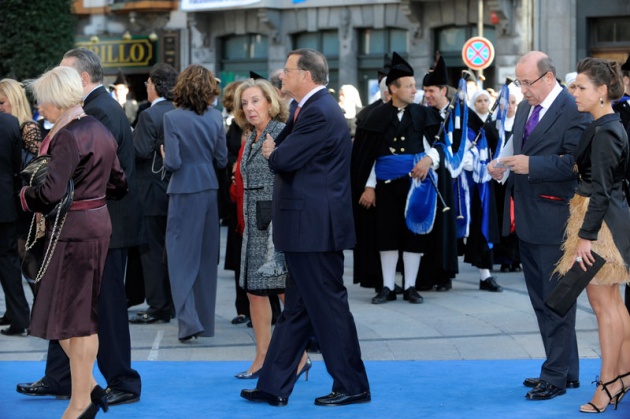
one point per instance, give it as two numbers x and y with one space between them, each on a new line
278 110
20 108
351 100
60 87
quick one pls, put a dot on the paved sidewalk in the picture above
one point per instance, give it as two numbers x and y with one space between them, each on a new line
462 324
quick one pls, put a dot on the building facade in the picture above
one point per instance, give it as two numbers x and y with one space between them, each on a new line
232 37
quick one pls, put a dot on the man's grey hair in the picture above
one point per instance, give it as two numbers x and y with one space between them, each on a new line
88 61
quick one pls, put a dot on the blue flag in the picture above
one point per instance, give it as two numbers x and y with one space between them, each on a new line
504 99
455 141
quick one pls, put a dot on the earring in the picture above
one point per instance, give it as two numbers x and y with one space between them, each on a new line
601 102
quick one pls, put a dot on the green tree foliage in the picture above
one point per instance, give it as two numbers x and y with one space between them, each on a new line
34 34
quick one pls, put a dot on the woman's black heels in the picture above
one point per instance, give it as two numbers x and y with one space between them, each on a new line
99 397
613 399
307 366
624 389
90 412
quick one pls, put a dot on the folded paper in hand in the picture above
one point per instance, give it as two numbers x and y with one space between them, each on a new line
571 285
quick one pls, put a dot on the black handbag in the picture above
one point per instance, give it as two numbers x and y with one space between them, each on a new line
263 214
34 174
571 285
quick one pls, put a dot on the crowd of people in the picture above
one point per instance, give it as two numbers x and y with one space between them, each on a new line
408 186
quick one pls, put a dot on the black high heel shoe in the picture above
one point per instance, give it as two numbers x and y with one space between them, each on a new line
99 397
612 399
90 412
624 389
307 366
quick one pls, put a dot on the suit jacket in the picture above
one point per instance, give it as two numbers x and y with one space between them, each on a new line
541 198
193 144
10 161
312 207
147 137
125 213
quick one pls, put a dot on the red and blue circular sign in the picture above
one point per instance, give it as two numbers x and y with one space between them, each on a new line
478 53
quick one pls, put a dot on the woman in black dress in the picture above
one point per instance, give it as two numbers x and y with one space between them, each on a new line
600 221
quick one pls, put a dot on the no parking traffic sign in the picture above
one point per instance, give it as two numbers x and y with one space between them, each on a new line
478 53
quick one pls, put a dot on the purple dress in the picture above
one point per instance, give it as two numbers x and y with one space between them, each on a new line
66 304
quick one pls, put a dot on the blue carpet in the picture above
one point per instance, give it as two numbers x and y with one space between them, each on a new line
410 389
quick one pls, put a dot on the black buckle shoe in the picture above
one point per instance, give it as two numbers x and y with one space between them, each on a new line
490 284
412 296
384 296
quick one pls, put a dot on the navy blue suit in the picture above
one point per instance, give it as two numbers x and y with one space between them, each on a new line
152 184
541 206
312 219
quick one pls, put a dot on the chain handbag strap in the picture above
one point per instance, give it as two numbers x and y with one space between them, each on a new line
38 227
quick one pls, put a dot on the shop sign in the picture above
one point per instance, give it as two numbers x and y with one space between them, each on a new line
121 53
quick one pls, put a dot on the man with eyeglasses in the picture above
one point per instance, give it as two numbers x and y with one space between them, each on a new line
547 128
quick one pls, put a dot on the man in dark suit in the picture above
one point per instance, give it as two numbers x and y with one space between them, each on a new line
114 352
17 315
547 128
312 218
152 183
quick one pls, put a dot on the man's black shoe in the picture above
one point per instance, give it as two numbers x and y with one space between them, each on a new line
444 287
533 382
146 318
412 296
255 395
341 399
39 388
13 331
384 296
115 397
490 284
545 391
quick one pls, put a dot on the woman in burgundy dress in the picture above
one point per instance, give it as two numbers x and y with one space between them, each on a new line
83 151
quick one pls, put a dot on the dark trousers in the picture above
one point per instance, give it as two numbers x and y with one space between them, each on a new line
557 332
316 302
18 311
114 350
157 287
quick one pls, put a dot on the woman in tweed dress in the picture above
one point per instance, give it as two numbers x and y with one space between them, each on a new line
263 271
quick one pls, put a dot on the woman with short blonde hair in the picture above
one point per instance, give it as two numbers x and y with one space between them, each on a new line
82 151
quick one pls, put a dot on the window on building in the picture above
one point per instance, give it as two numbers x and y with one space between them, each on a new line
373 44
242 53
610 38
326 42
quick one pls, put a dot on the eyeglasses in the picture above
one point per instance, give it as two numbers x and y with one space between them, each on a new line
146 83
523 83
288 70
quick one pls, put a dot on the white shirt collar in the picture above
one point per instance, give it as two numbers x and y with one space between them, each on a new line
309 94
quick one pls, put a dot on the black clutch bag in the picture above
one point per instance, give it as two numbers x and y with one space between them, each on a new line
571 285
263 214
